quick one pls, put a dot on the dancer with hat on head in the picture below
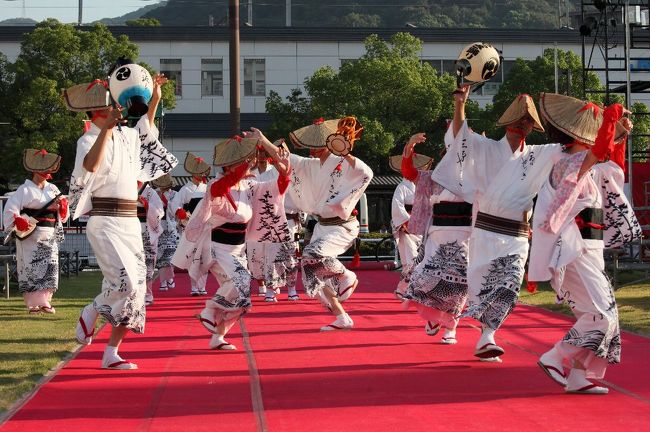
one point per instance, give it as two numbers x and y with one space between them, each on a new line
168 239
235 208
271 253
184 204
500 178
110 160
580 210
408 242
437 285
150 214
35 212
329 185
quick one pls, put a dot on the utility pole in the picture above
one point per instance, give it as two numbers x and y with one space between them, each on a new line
235 108
81 11
287 21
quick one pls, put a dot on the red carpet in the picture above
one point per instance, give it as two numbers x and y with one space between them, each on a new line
385 375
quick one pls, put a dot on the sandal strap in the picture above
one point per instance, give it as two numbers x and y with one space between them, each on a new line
84 328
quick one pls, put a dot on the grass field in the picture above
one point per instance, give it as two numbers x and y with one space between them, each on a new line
30 345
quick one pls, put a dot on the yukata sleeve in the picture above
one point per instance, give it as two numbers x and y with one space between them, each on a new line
621 224
155 160
155 209
458 161
81 179
399 215
349 189
13 207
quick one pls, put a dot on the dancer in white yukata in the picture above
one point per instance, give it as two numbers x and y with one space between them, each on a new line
408 243
500 178
37 207
437 286
218 230
329 185
272 253
150 213
109 162
579 203
168 239
183 205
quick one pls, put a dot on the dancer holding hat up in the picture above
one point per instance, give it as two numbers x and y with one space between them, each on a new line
37 204
581 209
109 163
500 178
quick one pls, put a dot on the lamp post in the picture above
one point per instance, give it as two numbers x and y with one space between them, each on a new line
233 61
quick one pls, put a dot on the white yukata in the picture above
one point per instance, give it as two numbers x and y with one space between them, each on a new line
329 190
37 256
270 246
151 229
187 198
167 241
226 262
407 241
502 183
132 155
572 258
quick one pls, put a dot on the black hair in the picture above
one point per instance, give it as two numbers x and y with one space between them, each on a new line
556 135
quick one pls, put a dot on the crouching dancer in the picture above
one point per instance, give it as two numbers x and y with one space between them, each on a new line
217 230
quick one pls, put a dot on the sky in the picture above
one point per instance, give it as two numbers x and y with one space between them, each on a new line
67 10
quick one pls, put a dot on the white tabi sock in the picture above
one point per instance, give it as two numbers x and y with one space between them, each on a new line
111 352
577 379
487 337
292 291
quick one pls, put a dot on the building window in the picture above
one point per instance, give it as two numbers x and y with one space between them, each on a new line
211 77
172 68
254 77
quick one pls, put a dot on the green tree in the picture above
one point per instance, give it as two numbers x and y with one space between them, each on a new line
143 22
388 89
53 56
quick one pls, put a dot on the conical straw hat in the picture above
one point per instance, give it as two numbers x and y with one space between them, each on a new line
37 160
574 117
92 96
232 151
163 182
522 105
420 162
315 135
196 165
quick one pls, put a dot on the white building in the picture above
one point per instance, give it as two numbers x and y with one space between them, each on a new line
281 59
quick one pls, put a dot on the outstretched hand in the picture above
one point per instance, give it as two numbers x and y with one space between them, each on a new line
417 138
158 81
461 94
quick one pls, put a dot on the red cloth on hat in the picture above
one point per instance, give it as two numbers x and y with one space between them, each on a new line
221 188
21 223
409 171
604 144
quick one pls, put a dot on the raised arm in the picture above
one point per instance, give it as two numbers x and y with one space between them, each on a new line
409 171
96 154
460 98
280 162
158 81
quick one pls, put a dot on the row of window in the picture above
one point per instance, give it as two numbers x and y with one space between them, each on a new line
255 75
212 76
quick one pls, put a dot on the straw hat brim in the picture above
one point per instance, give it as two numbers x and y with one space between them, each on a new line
314 135
574 117
231 151
420 162
195 165
35 161
521 106
86 97
163 181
